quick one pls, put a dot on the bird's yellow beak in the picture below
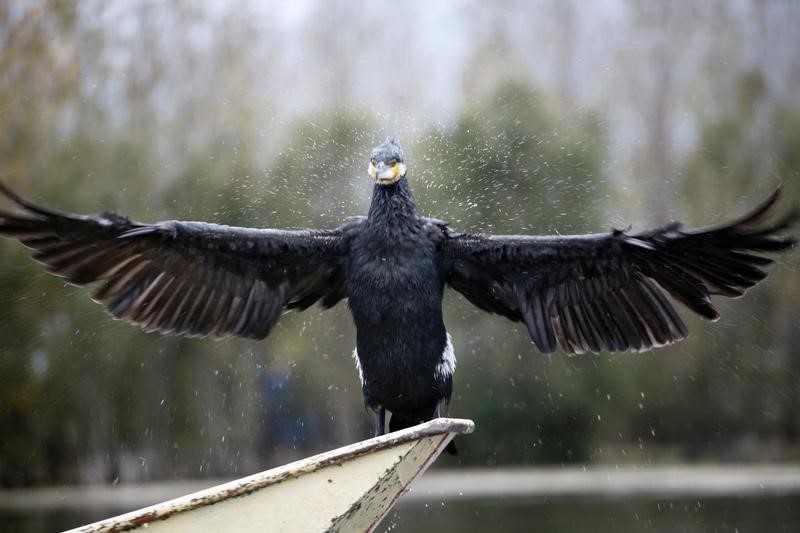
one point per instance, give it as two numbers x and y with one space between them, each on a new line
385 174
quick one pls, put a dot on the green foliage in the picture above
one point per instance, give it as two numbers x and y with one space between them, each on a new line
512 165
83 398
741 369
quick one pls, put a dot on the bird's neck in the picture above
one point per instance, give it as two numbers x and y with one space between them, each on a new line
393 203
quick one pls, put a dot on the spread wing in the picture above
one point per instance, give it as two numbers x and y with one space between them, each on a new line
189 278
605 292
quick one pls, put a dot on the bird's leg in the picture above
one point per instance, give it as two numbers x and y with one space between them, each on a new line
380 422
437 413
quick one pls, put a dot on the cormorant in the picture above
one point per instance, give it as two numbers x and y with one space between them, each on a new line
584 293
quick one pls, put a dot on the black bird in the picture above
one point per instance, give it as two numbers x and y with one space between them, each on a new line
584 293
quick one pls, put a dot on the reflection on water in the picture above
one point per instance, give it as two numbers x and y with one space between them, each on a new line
552 515
49 520
579 515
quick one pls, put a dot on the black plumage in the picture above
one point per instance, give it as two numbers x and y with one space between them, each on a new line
586 293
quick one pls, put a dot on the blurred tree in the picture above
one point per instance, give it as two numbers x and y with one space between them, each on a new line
81 398
512 164
744 372
178 110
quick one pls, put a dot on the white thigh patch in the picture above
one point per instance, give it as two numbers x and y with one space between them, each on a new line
358 366
447 364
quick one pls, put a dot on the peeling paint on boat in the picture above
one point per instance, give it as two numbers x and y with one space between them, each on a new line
348 489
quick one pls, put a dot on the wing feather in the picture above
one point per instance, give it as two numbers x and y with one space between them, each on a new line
188 278
606 292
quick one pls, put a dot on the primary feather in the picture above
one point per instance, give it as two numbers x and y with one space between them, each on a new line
605 292
190 278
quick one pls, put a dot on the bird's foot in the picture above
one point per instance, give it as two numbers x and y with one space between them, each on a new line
380 422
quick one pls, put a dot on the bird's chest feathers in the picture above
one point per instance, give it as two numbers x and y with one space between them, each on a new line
393 265
393 275
399 261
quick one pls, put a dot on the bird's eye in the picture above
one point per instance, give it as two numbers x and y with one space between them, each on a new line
374 161
392 162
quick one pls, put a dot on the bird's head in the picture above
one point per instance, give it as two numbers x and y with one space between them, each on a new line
387 162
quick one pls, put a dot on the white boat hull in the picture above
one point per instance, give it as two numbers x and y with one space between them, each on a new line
347 489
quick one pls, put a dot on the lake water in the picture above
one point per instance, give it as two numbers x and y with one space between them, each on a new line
522 514
599 514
